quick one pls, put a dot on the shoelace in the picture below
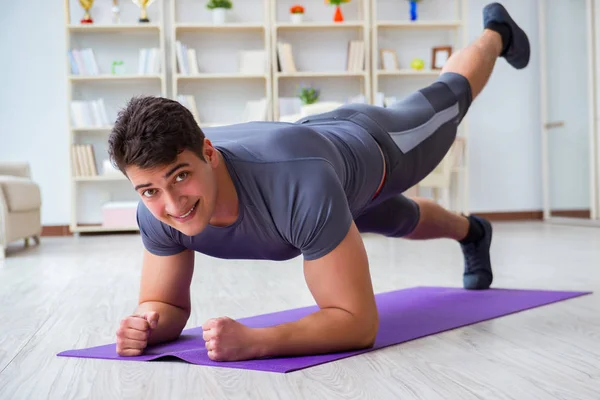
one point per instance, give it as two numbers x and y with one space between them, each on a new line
471 257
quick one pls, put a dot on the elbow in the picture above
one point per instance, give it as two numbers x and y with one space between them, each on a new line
368 339
368 332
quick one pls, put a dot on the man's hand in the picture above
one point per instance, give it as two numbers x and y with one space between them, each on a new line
228 340
133 333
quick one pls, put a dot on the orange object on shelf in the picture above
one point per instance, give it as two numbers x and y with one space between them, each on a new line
338 17
297 9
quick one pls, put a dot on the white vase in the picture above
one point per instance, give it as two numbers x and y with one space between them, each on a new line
218 15
297 18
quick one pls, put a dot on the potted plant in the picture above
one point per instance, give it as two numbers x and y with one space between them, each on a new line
338 16
309 95
297 13
218 9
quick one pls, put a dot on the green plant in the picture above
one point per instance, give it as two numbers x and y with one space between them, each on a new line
309 95
337 2
212 4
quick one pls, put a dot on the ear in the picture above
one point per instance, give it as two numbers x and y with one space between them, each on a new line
210 153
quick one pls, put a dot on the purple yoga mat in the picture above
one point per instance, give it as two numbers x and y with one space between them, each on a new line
404 315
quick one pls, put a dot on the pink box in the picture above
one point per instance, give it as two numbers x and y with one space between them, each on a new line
119 214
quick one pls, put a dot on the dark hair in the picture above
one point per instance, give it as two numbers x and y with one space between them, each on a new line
151 131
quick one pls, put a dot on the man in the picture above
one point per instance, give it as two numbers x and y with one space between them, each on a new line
271 190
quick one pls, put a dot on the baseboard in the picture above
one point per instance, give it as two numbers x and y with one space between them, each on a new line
572 213
533 215
512 215
64 230
56 230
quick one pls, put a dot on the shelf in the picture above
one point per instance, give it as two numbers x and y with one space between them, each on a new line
320 25
234 75
221 27
108 77
100 178
113 28
333 74
409 72
217 124
100 228
93 129
100 93
419 24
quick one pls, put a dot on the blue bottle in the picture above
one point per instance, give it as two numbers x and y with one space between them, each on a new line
413 10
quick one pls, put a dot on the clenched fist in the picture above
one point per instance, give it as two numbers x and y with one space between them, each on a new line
228 340
133 333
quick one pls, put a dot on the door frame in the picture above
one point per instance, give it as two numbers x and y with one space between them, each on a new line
592 122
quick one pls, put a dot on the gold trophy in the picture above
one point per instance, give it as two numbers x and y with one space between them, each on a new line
87 4
143 4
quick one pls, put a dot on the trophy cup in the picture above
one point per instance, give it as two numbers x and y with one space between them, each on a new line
143 4
116 12
87 4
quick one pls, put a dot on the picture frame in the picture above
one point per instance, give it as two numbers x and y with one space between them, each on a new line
389 60
439 56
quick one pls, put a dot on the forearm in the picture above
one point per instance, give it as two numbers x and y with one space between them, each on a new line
171 320
327 330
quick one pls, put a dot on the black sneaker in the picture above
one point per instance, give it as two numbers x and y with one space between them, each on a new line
518 51
478 267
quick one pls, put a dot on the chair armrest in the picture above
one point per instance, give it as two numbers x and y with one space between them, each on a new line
20 169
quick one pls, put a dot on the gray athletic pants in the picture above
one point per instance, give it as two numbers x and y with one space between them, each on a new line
414 134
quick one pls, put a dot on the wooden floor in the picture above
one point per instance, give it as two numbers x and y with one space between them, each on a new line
71 293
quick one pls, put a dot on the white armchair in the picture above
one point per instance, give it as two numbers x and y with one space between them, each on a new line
20 205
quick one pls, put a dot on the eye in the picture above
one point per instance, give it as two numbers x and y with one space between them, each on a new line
148 192
181 176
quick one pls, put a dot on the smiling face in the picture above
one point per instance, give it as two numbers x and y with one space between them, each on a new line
183 193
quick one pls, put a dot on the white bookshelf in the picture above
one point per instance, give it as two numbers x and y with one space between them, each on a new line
220 90
419 24
320 48
440 23
211 27
109 41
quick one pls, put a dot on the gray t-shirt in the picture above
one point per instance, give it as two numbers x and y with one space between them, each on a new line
299 188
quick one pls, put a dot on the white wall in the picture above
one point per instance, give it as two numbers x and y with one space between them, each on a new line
33 99
504 125
504 121
567 99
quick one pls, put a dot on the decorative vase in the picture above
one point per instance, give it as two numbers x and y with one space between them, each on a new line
297 18
413 11
218 15
338 17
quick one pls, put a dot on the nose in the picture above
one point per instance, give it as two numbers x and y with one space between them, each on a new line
174 203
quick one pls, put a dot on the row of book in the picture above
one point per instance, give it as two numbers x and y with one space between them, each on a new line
355 59
189 102
83 61
255 110
285 58
356 56
187 60
89 113
251 62
150 61
83 160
